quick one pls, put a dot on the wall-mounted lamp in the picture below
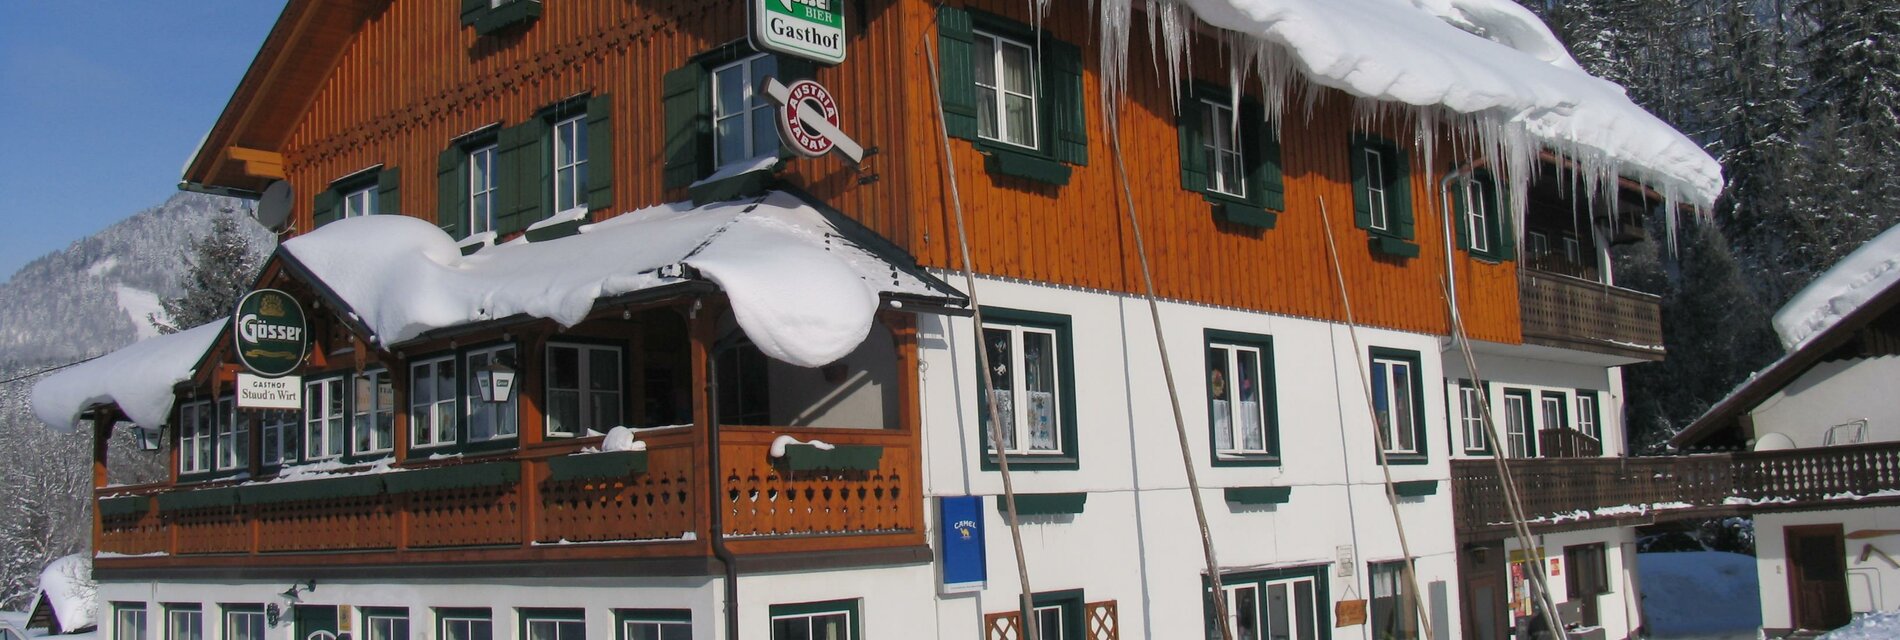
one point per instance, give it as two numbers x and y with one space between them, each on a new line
496 381
149 439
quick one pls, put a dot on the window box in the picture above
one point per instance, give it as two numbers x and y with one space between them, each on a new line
1045 504
1032 361
1392 246
1007 162
1258 495
597 466
1246 215
464 476
734 187
844 457
490 16
360 486
124 506
1415 488
196 499
1007 98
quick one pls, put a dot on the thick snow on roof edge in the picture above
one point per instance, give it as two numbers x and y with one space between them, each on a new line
1846 286
138 378
1490 61
67 583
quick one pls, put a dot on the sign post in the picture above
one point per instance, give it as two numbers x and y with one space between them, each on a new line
811 29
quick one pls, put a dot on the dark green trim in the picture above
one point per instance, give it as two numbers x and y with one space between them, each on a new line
1415 488
597 466
1070 458
1072 603
442 614
124 506
1003 160
1392 246
847 457
1269 396
744 185
1497 224
1061 108
358 486
525 615
1258 495
463 476
852 607
1419 430
1045 504
1245 215
1563 405
1396 169
515 12
1259 153
194 499
1322 595
561 230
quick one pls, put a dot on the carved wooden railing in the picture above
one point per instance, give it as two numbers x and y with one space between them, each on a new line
1599 491
867 485
1574 312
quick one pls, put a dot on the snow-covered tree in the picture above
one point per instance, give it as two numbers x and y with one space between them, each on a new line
222 265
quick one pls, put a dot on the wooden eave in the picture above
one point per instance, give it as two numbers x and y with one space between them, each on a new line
243 151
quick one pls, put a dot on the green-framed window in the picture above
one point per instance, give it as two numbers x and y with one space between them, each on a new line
233 438
1394 615
1242 407
1230 155
325 417
1292 604
372 414
184 621
1382 195
1483 223
244 622
468 183
367 192
1590 413
653 624
1520 431
491 16
553 624
128 620
554 167
1398 400
1553 409
1031 374
829 620
277 437
715 117
1014 93
584 387
463 623
446 410
196 427
385 623
1471 397
432 398
1058 615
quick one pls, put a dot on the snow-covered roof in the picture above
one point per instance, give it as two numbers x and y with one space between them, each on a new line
1853 281
803 283
138 378
68 587
1490 60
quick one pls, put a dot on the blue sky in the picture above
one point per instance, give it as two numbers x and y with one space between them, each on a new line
103 101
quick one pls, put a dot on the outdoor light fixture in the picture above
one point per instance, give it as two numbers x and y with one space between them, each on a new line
497 382
149 439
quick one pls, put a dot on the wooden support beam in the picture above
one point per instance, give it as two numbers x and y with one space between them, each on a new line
258 163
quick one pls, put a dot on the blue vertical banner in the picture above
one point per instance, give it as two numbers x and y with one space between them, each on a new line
960 531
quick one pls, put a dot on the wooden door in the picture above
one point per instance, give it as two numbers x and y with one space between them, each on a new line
1817 576
316 622
1484 595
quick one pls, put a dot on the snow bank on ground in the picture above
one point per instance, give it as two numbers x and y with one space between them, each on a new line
1699 593
1872 626
1846 286
804 293
68 586
138 378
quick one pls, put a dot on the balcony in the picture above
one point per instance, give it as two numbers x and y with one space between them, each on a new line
1568 312
1578 493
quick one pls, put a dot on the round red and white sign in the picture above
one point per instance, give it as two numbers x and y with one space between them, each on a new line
807 101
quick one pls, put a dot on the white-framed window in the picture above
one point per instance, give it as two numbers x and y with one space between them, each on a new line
584 389
1394 382
744 126
195 436
1378 215
463 624
1517 423
564 626
1587 415
638 625
481 189
490 420
277 434
1237 399
323 418
1025 377
361 202
1540 244
1225 161
244 624
813 623
570 165
234 441
1243 611
184 623
1477 218
1573 250
1049 622
386 624
373 413
1005 90
1471 417
1554 416
432 397
128 621
1277 605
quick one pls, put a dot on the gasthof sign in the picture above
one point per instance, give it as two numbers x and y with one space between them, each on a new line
258 392
270 332
811 29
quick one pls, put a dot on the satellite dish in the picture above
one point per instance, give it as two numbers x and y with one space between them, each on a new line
1774 441
273 208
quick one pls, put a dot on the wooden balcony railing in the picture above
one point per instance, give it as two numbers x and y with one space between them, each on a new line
1567 443
1602 491
1560 310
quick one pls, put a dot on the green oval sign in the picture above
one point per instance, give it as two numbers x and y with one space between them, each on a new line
272 336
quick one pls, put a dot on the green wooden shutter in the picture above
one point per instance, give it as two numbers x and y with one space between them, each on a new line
1501 224
1062 94
1187 124
389 191
507 143
451 192
534 166
1361 202
688 154
472 10
326 209
600 153
1268 188
956 46
1457 214
1399 190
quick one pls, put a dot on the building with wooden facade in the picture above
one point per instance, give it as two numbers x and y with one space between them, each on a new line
593 196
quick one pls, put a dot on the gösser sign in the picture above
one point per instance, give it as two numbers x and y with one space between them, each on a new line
812 29
271 334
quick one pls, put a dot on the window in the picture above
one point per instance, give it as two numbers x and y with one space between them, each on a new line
367 192
1014 92
583 389
234 440
195 437
384 623
1005 90
1029 367
1378 213
278 432
1587 414
835 620
1382 202
553 624
490 420
1482 225
245 622
1540 244
1517 424
481 189
1231 156
323 414
432 402
654 625
1398 401
1478 213
465 624
744 126
1555 414
1573 250
373 413
128 621
1588 578
1471 417
1222 146
361 202
1240 397
1281 604
570 166
1394 609
184 622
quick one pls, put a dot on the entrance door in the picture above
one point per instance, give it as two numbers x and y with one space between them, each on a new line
1817 576
1484 596
316 622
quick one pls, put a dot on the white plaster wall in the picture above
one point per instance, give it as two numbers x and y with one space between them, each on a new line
895 602
1872 585
1619 611
1834 393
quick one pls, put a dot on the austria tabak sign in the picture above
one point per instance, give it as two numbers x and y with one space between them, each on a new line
272 336
812 29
